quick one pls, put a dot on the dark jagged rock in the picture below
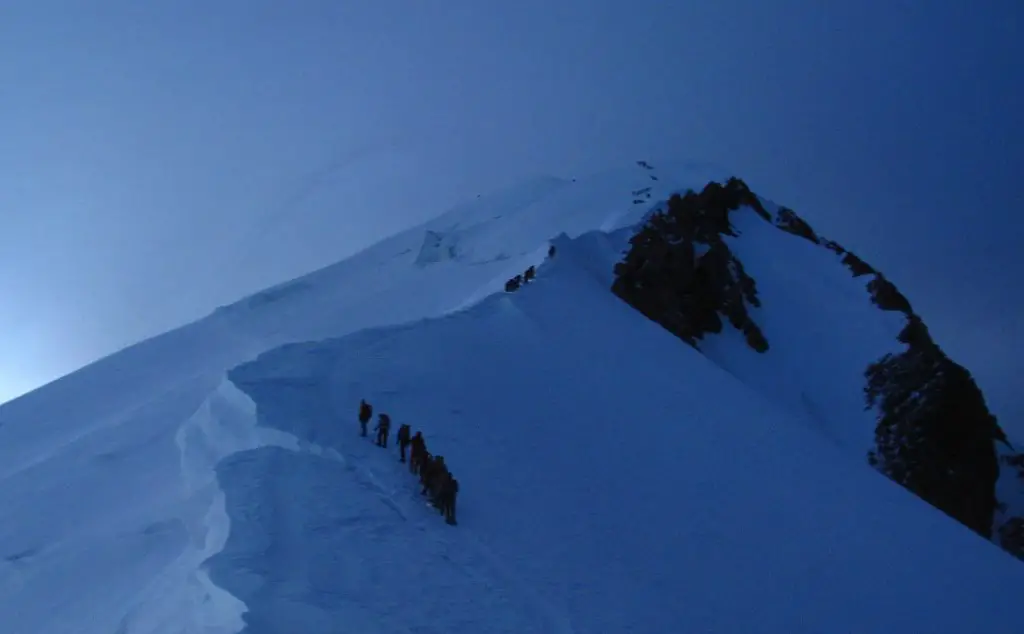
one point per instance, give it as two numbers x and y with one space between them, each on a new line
886 296
663 277
834 246
1011 532
790 222
934 433
747 197
857 266
1011 537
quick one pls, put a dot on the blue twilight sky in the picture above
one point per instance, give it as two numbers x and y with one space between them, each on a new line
158 159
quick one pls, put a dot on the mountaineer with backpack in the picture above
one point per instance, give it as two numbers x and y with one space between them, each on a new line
449 489
403 439
382 428
430 473
417 452
365 414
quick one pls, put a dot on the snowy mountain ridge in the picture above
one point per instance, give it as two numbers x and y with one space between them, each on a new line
212 479
932 430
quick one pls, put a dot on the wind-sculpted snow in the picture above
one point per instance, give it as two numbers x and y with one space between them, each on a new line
94 529
612 479
325 541
446 264
101 528
595 497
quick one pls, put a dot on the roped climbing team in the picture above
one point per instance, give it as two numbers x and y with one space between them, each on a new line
434 475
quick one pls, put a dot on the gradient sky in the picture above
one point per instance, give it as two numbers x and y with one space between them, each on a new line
158 159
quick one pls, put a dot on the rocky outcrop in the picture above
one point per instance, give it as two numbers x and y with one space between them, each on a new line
1010 531
681 274
934 433
788 221
856 265
1011 537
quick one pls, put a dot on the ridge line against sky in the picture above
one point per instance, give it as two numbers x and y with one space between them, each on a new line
143 143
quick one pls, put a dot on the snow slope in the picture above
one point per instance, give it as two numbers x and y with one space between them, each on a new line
169 489
822 328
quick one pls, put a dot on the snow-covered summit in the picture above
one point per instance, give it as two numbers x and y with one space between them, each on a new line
700 264
613 478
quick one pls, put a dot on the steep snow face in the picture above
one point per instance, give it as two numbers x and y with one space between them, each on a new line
105 475
650 493
821 325
454 260
148 493
809 319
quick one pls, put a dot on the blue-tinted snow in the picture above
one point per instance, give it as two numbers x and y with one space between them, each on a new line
821 325
612 478
624 482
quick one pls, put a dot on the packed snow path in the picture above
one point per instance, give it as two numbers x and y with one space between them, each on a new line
592 500
612 479
327 540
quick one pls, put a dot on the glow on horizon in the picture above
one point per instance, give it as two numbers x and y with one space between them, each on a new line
161 160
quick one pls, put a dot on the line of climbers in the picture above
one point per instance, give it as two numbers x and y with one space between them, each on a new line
434 475
526 276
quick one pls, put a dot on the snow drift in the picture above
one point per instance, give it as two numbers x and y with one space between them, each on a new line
613 479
